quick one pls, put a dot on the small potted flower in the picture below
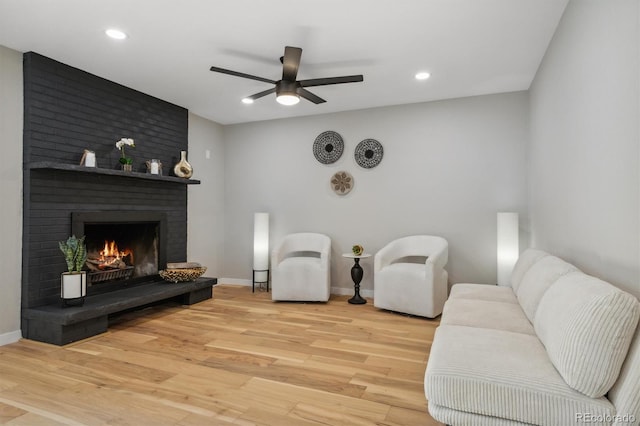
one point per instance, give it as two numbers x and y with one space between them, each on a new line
125 162
73 286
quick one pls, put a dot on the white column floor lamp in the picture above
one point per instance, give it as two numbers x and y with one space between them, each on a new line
508 246
260 250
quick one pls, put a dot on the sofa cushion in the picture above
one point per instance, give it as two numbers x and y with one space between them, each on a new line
486 314
625 394
525 261
463 418
538 279
586 325
483 292
502 374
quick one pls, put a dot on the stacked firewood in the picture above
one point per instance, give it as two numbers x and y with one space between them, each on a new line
105 264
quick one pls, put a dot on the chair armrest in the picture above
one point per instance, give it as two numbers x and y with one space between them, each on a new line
384 257
438 259
277 255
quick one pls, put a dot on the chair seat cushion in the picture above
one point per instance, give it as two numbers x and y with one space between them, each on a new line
399 287
400 269
502 374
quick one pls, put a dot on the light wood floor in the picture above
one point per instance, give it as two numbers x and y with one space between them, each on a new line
237 359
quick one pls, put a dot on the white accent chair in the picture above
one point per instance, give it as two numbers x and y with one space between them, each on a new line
300 268
402 284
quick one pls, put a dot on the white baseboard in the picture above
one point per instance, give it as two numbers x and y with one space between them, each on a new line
343 291
10 337
340 291
234 281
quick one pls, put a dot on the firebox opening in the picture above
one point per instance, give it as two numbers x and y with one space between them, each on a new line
123 247
121 251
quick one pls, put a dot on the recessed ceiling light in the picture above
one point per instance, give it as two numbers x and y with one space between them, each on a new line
422 76
115 34
247 101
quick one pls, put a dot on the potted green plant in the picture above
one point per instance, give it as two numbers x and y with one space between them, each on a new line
73 283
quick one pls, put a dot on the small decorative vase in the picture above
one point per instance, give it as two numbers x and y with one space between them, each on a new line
183 169
127 167
357 249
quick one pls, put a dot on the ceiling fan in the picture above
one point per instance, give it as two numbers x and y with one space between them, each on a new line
288 90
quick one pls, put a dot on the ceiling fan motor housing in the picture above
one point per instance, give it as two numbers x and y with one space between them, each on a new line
284 87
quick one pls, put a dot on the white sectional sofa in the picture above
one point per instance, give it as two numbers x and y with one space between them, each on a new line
558 347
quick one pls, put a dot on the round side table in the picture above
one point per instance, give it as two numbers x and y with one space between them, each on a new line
356 276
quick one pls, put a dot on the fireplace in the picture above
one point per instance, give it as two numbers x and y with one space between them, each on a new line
67 111
123 247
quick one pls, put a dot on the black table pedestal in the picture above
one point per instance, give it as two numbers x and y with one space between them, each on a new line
356 276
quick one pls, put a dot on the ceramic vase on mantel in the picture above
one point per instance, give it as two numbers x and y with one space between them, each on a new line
127 167
183 169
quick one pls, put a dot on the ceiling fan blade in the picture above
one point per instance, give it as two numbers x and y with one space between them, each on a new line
291 63
261 94
331 80
241 74
309 96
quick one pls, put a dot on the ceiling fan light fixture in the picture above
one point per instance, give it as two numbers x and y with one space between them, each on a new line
287 99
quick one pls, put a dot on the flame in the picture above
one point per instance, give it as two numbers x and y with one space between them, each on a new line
111 253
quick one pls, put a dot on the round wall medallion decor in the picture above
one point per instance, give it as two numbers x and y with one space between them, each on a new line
369 153
328 147
342 183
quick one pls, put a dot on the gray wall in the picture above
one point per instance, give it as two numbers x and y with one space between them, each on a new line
11 122
448 167
585 147
205 213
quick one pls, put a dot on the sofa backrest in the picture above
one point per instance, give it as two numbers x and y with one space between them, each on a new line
525 261
538 279
586 326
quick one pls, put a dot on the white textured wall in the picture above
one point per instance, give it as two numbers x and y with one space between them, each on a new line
584 154
205 214
448 167
11 113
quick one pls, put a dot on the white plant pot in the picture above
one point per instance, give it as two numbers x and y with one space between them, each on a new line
73 286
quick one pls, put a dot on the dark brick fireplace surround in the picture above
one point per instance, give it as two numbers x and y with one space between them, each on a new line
67 110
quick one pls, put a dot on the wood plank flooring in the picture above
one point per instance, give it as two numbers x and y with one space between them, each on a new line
237 359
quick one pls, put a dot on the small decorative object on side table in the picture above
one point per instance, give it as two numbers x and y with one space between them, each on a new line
356 276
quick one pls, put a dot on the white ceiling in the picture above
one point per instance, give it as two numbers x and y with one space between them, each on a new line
471 47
